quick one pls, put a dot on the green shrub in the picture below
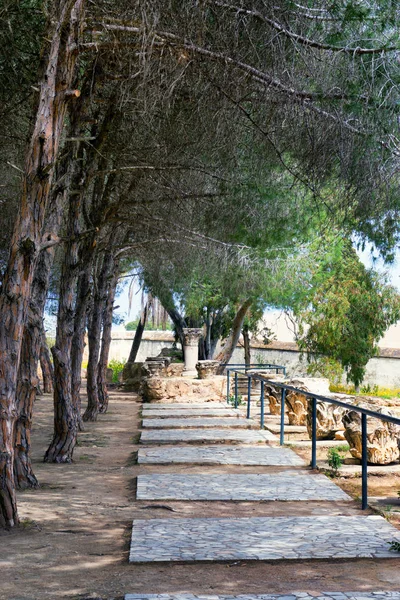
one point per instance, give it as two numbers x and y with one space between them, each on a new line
335 460
117 366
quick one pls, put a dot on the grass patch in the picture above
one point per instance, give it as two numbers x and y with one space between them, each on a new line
374 390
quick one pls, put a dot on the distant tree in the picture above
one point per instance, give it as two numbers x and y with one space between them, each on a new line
346 310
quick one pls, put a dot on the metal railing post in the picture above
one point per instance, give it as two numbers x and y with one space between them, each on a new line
262 406
228 385
314 434
248 396
282 432
364 467
236 390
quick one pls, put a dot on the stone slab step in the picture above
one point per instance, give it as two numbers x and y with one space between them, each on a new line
199 422
261 538
276 428
216 436
191 412
217 455
286 486
323 595
183 405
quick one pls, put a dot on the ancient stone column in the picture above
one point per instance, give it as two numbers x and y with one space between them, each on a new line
191 338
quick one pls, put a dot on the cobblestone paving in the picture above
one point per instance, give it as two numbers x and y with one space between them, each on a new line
237 423
285 486
261 538
294 596
191 412
217 455
241 436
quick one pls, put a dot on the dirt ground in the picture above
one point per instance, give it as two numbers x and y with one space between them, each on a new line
74 538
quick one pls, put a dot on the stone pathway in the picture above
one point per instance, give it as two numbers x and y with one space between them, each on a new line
285 486
190 405
294 596
166 436
217 455
261 538
191 412
183 429
205 422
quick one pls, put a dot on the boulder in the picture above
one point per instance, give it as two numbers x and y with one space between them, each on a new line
207 368
382 437
329 420
297 403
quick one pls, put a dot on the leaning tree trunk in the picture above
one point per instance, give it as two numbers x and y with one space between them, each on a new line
94 332
139 332
106 342
231 342
46 365
26 239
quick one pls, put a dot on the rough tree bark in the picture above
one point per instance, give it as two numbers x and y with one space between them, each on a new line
246 344
65 418
106 341
32 344
94 332
62 41
78 339
46 365
225 354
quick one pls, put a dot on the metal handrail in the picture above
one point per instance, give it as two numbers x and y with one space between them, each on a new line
233 367
365 412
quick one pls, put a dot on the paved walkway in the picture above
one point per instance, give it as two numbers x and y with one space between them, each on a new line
226 455
285 486
296 596
288 537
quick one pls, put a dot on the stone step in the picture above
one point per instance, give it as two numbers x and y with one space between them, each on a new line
323 595
261 538
191 412
217 436
199 422
217 455
184 405
286 486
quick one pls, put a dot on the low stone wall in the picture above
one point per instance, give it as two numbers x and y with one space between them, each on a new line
382 370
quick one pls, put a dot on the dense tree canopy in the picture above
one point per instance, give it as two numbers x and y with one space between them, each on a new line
205 142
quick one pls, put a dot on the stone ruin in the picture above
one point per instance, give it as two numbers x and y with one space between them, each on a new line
297 404
166 378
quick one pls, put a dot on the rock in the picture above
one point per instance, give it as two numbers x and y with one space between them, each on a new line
174 370
297 403
132 375
207 368
382 438
351 461
329 420
273 394
179 389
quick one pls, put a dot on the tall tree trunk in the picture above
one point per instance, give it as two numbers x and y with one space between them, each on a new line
32 345
65 417
25 243
231 342
106 341
78 339
139 332
46 365
94 332
246 344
